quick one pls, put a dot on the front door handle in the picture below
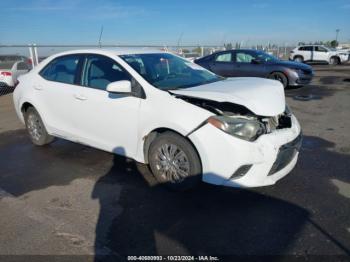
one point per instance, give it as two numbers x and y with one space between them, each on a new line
80 97
38 87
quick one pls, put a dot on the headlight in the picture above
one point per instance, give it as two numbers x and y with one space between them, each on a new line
299 71
241 127
295 72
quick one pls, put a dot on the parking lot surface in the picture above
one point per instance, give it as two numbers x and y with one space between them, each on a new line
71 199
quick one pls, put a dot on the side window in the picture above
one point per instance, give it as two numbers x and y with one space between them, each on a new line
225 57
242 57
62 69
99 71
320 49
305 48
22 66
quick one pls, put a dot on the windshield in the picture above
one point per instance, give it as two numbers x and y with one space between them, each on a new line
262 56
166 71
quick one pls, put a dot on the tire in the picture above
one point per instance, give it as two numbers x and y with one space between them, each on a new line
35 128
334 60
280 77
298 59
174 161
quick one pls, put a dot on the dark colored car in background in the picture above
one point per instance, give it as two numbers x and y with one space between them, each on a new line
255 63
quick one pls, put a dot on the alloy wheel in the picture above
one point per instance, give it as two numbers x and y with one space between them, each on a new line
35 127
172 163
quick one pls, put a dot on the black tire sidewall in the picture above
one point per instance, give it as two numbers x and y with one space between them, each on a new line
192 155
45 138
282 76
296 58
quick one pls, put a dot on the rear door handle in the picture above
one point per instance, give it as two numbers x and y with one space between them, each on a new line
80 97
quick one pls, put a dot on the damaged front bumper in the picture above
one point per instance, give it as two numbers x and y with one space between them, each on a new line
230 161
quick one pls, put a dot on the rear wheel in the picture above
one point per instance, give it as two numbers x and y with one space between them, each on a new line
36 129
298 59
174 161
279 77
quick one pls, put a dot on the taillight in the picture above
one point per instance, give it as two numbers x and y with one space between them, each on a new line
30 61
5 73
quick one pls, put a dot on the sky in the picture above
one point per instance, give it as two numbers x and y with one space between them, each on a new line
163 22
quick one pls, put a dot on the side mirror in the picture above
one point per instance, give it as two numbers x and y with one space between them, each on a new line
120 87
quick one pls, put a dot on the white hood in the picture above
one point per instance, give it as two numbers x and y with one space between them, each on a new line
263 97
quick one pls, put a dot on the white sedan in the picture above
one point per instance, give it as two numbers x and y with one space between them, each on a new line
187 123
10 71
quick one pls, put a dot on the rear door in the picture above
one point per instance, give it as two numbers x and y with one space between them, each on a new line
54 93
222 64
306 52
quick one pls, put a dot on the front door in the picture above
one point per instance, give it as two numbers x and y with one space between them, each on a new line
321 54
107 121
246 65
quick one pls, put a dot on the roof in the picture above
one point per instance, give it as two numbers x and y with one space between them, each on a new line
311 45
235 50
112 51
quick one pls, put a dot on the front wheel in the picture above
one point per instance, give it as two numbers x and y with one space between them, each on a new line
279 77
174 161
36 129
334 61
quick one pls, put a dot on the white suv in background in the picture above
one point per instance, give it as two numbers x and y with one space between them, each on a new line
318 53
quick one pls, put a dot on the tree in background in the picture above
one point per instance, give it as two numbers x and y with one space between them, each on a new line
334 43
197 50
228 46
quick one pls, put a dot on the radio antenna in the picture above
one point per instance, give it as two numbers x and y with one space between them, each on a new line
100 38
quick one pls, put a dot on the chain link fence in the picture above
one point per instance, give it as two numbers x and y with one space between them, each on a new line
36 53
4 89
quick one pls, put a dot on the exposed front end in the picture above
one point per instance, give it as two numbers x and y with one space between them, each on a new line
235 162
